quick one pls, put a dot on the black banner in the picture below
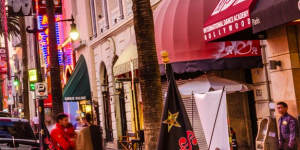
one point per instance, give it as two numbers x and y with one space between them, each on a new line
176 130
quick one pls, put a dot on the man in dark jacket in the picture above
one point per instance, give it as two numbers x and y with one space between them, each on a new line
90 137
287 127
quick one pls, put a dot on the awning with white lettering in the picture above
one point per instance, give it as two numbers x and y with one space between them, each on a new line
227 19
179 29
268 14
78 87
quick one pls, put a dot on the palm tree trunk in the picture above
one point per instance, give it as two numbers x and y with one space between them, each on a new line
149 71
56 89
25 67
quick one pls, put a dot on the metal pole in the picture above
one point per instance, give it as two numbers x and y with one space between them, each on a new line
41 111
215 122
37 52
1 93
42 123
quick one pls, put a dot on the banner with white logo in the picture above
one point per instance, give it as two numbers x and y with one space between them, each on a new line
212 109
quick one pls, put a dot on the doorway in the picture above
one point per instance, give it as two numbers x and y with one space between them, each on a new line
106 106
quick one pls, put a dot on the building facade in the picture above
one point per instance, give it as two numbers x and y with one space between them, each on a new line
107 32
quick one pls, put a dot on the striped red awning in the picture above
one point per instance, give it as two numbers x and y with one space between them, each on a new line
179 31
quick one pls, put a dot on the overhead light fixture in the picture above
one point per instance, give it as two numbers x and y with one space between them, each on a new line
74 35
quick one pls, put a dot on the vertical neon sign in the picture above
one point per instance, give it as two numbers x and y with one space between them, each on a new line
44 38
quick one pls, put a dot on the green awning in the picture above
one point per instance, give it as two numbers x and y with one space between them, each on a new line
78 86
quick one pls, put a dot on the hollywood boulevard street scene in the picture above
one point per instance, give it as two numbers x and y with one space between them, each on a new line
149 74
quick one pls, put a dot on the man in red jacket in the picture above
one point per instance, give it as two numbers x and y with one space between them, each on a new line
60 139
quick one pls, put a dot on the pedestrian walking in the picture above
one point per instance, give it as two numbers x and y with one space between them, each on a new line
287 127
90 137
59 136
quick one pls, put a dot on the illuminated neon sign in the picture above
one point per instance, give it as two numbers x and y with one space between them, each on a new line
65 53
44 38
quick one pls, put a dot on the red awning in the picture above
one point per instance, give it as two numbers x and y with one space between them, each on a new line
179 30
229 17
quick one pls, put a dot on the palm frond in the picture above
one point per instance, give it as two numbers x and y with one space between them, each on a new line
13 26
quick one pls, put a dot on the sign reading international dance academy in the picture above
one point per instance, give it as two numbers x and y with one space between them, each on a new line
230 16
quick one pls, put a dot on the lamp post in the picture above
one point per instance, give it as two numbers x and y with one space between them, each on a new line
104 88
74 35
41 111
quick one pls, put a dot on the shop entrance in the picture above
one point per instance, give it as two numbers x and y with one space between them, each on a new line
77 92
242 119
77 109
106 98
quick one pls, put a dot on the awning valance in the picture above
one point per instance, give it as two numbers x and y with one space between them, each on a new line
128 57
78 86
208 83
271 13
228 18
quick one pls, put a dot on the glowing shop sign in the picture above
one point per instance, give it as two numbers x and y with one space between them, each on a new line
64 54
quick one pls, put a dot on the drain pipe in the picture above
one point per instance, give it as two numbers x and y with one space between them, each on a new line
265 66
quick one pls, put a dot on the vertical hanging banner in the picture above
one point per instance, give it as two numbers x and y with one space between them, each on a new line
212 109
176 131
5 31
44 38
3 62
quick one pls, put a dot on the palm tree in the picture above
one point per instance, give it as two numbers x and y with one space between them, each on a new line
56 89
13 30
16 28
25 67
13 26
149 71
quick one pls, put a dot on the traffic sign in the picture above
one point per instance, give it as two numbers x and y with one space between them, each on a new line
41 90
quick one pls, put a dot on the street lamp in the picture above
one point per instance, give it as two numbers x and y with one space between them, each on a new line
74 34
104 88
118 85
